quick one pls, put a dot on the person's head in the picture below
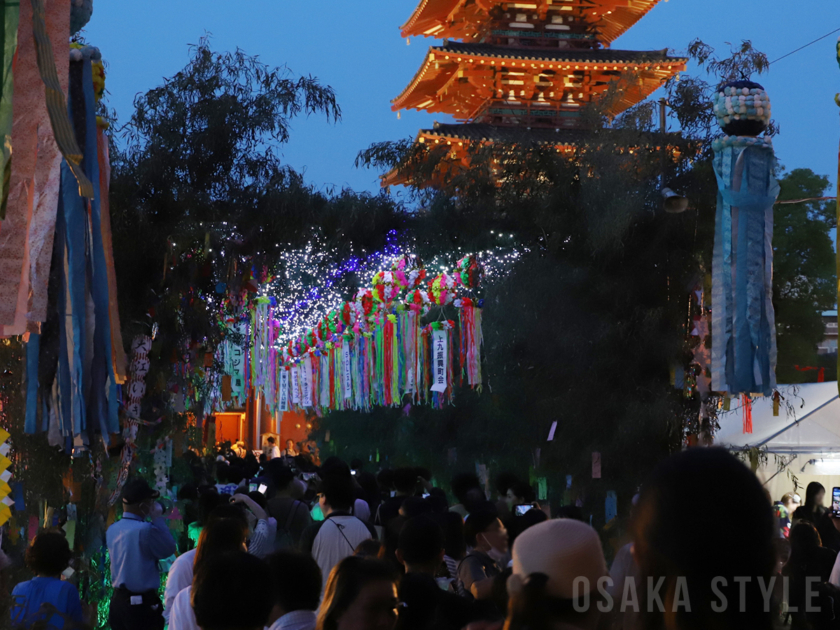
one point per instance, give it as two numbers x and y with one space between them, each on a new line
405 481
280 474
385 479
667 517
791 501
290 445
519 493
271 441
417 594
465 487
519 523
232 511
571 511
208 502
484 531
415 506
504 481
814 496
336 494
48 555
138 497
556 568
453 533
335 466
220 536
370 549
421 545
297 581
804 539
361 594
235 577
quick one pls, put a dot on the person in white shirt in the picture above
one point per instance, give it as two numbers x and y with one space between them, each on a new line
297 585
219 537
271 449
335 538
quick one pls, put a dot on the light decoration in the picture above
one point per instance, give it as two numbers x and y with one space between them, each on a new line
310 348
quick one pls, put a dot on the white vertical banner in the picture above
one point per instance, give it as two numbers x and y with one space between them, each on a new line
439 360
284 389
296 385
346 370
306 382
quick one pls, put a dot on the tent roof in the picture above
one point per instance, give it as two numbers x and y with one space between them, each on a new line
812 427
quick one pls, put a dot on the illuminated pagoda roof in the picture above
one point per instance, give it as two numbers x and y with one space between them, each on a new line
459 138
461 78
473 20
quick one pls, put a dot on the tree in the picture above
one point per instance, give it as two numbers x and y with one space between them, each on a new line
804 277
201 203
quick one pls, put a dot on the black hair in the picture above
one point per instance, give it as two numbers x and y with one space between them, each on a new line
335 466
667 516
236 474
236 577
811 492
477 523
437 499
532 606
423 473
385 478
220 536
504 481
297 580
357 464
453 532
235 511
421 540
462 484
188 492
258 498
280 474
417 591
519 524
405 480
222 472
208 502
338 492
271 440
415 506
49 554
523 491
804 540
346 581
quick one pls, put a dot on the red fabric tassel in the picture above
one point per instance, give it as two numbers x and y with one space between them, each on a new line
747 405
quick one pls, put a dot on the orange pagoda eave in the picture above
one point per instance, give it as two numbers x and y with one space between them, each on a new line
458 139
461 79
470 20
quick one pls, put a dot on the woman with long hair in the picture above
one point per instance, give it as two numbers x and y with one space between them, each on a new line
809 564
813 509
219 537
361 594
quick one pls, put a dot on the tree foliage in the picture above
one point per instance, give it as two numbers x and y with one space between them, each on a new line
804 273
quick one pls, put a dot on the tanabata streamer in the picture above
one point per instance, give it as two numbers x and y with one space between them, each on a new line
743 320
372 350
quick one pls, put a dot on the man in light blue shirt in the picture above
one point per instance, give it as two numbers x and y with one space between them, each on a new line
135 546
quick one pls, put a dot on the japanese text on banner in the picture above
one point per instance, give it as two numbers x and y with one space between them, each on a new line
440 351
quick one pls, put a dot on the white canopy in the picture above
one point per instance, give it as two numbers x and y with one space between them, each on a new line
812 426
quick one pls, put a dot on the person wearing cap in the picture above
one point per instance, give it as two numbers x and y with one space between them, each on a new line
135 546
557 566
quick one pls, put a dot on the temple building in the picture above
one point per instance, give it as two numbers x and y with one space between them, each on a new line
526 71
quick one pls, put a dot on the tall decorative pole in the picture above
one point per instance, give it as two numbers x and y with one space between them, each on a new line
837 239
743 320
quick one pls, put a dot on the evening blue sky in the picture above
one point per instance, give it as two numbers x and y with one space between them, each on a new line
356 48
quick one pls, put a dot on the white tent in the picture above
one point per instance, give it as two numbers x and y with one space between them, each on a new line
805 435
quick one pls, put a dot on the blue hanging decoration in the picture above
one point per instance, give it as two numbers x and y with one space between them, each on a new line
743 320
69 365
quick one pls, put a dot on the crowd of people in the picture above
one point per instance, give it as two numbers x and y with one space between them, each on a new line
287 545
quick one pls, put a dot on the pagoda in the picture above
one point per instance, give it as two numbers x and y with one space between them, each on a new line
526 70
